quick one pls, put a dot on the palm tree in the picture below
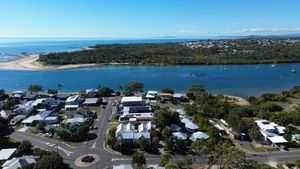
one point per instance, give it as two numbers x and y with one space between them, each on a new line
165 159
138 160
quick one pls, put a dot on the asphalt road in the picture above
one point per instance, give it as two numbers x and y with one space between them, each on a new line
96 146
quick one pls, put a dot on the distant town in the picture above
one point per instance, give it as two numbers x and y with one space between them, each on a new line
130 128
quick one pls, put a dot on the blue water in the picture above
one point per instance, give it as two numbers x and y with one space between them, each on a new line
240 80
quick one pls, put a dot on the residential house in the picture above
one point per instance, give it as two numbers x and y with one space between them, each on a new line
19 94
6 113
50 103
189 125
177 96
134 109
29 96
128 133
8 153
179 136
91 92
73 102
91 101
63 96
17 119
165 96
151 95
75 118
24 109
272 132
199 136
46 116
174 127
19 162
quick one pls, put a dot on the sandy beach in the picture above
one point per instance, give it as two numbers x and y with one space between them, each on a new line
29 62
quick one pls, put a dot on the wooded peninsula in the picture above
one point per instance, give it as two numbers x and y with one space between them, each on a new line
229 51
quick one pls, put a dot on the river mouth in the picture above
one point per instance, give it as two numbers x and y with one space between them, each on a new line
239 80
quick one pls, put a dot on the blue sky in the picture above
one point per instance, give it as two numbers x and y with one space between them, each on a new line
147 18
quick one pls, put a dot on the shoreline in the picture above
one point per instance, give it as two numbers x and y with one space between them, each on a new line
30 62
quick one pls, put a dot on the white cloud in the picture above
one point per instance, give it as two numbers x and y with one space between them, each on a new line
186 31
268 30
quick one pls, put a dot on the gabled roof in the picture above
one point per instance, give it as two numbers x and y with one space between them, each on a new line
180 135
131 99
72 98
142 128
91 101
189 124
18 162
199 135
7 153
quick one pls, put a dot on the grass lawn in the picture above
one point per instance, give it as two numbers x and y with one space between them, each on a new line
112 124
262 149
72 144
97 109
18 127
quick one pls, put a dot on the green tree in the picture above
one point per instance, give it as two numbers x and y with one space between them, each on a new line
52 161
297 163
165 159
164 117
112 132
134 87
35 88
106 92
52 91
64 134
167 90
24 148
138 160
143 144
196 88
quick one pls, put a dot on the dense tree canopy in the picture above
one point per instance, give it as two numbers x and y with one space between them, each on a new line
175 53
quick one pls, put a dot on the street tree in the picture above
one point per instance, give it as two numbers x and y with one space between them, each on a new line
35 88
138 160
134 87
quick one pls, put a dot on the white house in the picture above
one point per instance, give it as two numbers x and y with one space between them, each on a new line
135 108
19 94
189 125
151 95
128 133
73 102
91 101
179 135
272 132
6 154
199 136
6 113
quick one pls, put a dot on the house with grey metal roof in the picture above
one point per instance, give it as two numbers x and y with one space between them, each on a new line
19 162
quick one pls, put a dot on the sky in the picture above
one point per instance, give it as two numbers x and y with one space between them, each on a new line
147 18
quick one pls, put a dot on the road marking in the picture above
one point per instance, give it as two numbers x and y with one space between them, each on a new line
68 153
120 159
94 145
